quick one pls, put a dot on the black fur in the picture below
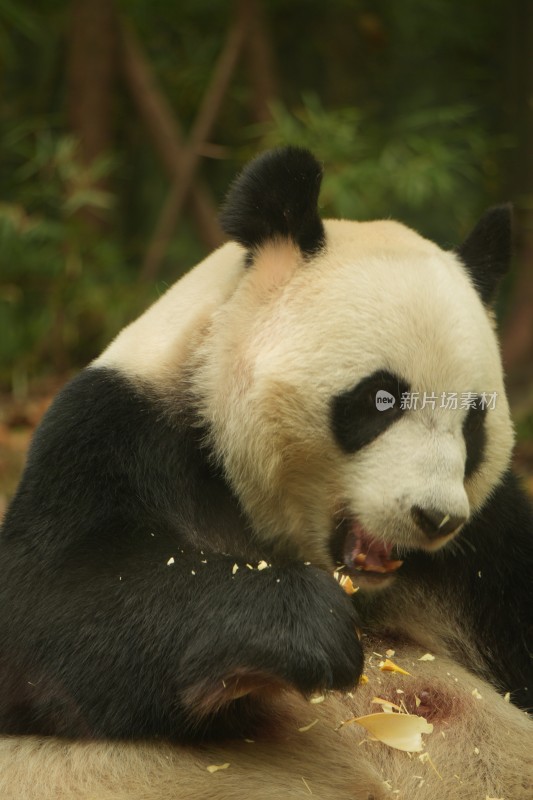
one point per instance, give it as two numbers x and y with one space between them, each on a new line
355 419
475 438
486 252
99 635
276 196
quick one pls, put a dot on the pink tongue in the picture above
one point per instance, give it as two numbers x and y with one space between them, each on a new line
368 553
376 554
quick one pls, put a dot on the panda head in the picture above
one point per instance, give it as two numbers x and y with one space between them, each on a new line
352 383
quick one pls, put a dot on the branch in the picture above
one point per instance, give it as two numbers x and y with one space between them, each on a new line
91 67
165 131
201 129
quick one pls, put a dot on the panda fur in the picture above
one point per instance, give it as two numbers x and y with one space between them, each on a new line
479 748
233 425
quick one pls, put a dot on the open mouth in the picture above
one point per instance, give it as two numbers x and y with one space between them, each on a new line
362 555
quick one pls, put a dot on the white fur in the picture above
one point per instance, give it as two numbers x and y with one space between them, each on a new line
287 340
480 747
156 345
268 346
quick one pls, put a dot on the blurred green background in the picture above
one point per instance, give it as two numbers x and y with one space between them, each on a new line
122 123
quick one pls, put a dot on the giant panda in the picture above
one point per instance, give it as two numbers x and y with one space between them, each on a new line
169 592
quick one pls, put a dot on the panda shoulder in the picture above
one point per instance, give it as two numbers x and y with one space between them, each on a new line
155 345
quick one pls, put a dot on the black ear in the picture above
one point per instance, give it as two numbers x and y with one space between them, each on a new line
486 252
276 196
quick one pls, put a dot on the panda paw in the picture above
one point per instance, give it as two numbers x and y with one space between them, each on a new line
291 626
319 647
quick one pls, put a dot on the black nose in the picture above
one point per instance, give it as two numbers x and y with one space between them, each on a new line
435 524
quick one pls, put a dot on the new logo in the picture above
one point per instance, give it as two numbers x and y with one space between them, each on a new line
384 400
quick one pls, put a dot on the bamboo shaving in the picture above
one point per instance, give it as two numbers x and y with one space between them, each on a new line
426 759
217 767
308 727
400 731
346 583
390 666
386 705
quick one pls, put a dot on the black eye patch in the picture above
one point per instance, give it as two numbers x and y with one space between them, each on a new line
474 436
361 414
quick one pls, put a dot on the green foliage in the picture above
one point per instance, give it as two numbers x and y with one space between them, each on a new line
431 168
15 17
61 286
524 428
404 103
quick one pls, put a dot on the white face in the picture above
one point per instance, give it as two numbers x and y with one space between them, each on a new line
290 372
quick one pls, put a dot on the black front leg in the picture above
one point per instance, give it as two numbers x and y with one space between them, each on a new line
168 649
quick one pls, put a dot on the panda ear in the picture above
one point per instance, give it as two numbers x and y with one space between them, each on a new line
486 252
276 197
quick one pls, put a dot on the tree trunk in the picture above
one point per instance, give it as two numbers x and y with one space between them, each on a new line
90 78
260 62
517 342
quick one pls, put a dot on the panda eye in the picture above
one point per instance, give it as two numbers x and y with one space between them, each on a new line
362 413
475 419
474 436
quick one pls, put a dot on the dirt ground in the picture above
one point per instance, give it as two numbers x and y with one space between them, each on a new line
18 420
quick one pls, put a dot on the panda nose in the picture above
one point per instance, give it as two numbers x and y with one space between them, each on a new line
435 524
